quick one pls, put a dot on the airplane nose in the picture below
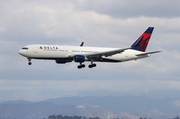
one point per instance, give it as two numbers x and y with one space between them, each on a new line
20 52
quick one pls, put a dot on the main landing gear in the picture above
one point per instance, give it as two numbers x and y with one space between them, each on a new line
83 65
92 65
29 63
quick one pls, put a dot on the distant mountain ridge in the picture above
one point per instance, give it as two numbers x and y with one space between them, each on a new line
92 106
122 103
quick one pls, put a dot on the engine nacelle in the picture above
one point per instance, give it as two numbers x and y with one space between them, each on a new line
79 58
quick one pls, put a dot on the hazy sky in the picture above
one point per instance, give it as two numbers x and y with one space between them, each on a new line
102 23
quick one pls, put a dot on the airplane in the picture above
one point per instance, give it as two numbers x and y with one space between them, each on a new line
64 54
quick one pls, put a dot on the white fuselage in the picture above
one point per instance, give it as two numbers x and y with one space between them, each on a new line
55 52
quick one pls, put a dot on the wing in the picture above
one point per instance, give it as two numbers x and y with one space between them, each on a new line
106 54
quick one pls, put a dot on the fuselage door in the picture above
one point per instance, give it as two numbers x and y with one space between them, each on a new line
35 49
126 53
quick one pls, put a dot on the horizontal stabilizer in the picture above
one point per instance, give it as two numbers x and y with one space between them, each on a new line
147 53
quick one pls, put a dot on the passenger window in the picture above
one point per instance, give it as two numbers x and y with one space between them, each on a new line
25 48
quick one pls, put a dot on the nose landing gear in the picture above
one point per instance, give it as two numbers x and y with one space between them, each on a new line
29 63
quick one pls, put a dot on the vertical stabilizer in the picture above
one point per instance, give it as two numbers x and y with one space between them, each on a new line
142 42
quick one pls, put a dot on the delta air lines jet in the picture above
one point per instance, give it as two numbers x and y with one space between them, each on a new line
64 54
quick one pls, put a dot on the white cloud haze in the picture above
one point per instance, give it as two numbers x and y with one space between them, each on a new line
110 23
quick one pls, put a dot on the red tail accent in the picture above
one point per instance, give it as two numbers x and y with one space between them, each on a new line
142 42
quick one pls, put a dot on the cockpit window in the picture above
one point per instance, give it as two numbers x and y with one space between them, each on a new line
25 48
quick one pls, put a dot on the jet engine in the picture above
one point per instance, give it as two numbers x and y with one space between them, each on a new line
79 58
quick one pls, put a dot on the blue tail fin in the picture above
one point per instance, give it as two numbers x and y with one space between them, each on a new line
142 42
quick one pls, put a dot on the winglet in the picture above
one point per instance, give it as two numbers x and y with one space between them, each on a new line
142 42
82 44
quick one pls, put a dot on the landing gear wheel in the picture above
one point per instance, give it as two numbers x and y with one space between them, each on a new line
29 63
80 66
92 65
